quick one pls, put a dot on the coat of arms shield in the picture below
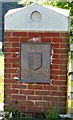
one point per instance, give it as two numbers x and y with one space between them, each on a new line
34 60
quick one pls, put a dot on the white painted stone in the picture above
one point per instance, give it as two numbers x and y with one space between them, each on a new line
71 96
71 47
1 107
71 77
37 17
72 90
71 66
0 45
65 115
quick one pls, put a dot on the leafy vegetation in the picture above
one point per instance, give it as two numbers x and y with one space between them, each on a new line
52 114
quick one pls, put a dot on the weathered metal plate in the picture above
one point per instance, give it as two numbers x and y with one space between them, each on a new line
35 62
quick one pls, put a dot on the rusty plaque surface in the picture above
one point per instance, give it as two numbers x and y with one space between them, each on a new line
35 62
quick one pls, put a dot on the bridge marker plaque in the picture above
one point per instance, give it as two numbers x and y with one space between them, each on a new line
35 62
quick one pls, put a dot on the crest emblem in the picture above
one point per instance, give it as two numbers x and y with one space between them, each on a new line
34 60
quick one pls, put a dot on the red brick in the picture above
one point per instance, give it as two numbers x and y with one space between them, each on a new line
7 101
7 34
53 98
42 92
7 86
15 86
15 54
7 55
7 65
11 49
54 66
23 39
62 51
63 56
21 108
58 40
8 44
6 107
62 88
11 91
59 72
11 70
59 82
27 92
15 75
34 109
26 103
51 34
34 98
62 98
23 86
7 40
11 60
54 87
63 46
7 75
51 87
41 103
55 56
14 40
35 34
63 77
63 67
46 40
19 97
15 44
58 93
61 104
14 102
7 80
15 65
47 87
55 77
55 45
19 34
47 98
8 96
64 34
37 86
60 62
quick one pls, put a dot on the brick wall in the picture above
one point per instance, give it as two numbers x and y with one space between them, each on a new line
35 97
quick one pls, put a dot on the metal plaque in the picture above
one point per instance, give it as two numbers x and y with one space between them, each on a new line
35 62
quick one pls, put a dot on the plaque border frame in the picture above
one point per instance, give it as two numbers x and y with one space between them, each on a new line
31 81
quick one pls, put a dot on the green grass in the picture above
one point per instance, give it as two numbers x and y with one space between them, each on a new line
1 77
